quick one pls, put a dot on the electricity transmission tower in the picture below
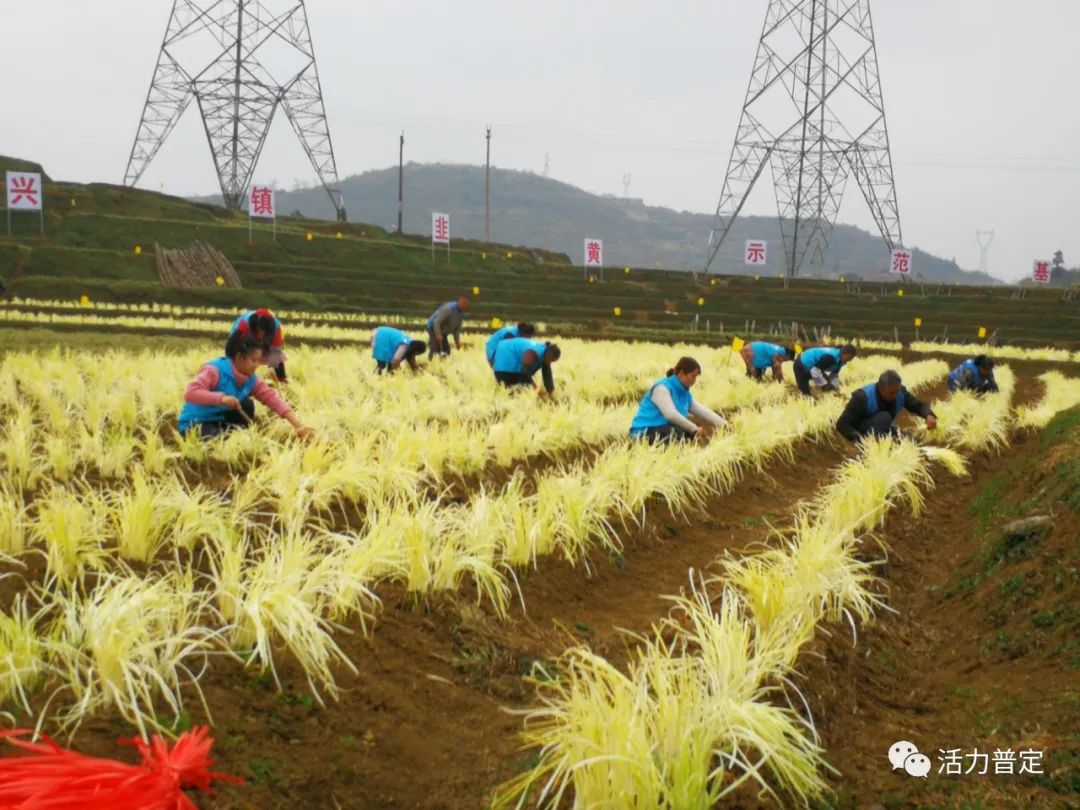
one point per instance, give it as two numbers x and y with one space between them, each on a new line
239 60
626 186
984 238
814 115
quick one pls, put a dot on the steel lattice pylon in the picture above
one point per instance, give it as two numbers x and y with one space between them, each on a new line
814 114
239 59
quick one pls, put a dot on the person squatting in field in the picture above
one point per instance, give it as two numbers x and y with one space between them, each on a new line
391 347
872 410
444 322
219 399
760 357
662 414
821 365
525 330
974 374
266 329
518 359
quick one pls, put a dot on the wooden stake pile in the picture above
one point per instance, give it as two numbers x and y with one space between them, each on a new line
201 266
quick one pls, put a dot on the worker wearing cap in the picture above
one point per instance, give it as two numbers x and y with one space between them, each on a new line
261 325
444 322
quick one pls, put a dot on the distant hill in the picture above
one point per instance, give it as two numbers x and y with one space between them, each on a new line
527 209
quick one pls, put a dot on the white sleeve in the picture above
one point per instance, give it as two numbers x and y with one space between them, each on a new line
661 398
399 355
818 376
701 412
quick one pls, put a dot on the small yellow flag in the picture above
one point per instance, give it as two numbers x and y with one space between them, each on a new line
475 290
310 236
712 282
757 278
84 301
483 256
339 234
982 331
72 202
900 293
701 302
618 311
841 279
918 321
496 323
798 349
509 255
138 250
737 344
626 270
220 281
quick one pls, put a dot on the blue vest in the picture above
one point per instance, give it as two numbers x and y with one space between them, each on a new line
497 337
387 340
764 354
649 416
510 356
192 414
954 375
811 357
873 406
244 316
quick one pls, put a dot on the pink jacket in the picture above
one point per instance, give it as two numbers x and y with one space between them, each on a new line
201 391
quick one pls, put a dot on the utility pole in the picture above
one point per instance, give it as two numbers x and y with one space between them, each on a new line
626 186
487 189
547 163
400 180
984 238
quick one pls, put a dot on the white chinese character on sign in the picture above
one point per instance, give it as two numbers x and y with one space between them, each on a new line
756 251
1040 272
1004 761
594 253
901 262
24 191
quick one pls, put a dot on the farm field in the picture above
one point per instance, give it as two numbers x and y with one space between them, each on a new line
355 616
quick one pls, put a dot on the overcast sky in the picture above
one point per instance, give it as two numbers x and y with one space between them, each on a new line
981 98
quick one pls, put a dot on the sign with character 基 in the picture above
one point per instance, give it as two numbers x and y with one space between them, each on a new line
1040 272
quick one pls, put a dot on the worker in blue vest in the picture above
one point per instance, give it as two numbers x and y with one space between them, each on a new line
760 356
662 415
220 398
518 359
872 410
821 365
525 330
391 347
444 322
975 374
265 328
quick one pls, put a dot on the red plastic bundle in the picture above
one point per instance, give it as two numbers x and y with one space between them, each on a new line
53 778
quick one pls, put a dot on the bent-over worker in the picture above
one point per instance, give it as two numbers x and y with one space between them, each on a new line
391 347
872 410
518 359
262 325
219 399
974 374
525 330
760 356
444 322
822 365
662 414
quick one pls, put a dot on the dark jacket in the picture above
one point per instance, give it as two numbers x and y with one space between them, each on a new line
857 412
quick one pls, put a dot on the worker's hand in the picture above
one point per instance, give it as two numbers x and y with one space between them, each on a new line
931 422
306 433
230 402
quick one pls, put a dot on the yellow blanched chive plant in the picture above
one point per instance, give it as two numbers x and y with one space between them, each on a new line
1060 394
23 657
128 644
69 526
14 522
